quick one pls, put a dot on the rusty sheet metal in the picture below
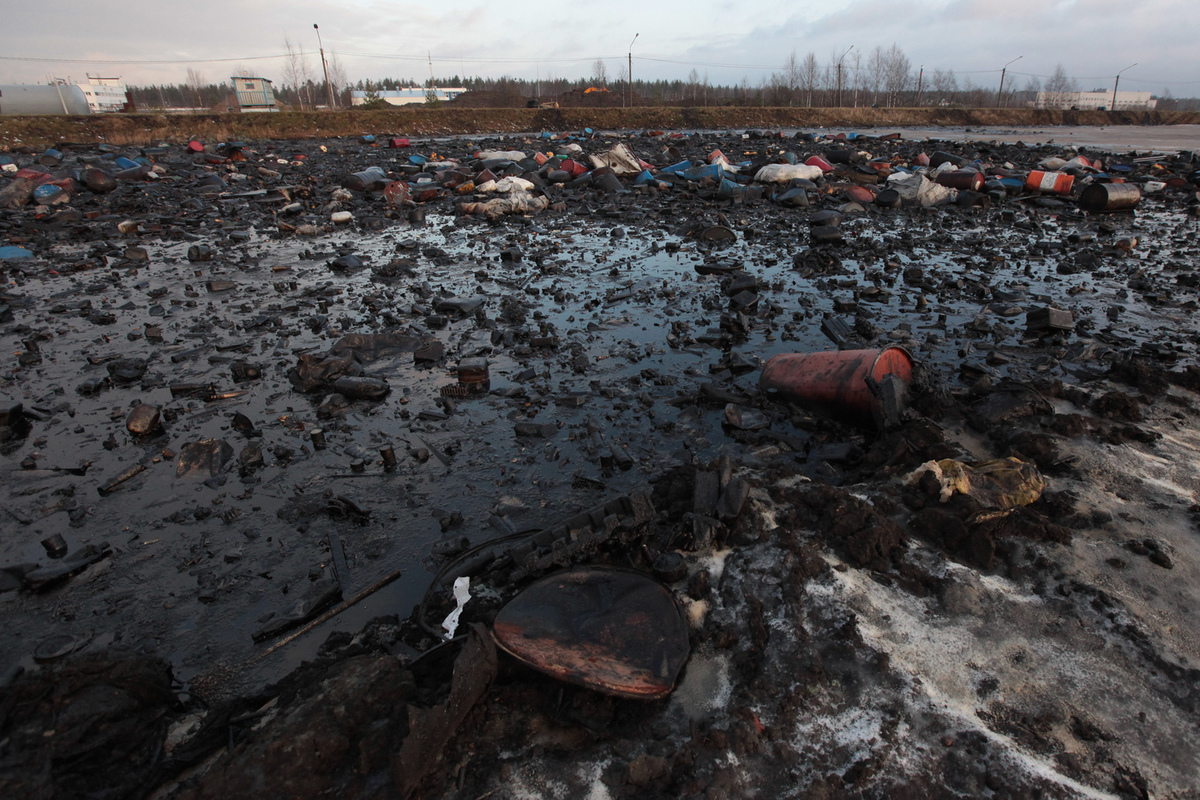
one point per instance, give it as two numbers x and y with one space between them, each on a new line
613 630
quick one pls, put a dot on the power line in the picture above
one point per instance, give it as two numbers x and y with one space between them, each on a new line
563 60
134 61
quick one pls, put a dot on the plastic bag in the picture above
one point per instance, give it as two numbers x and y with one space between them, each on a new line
915 189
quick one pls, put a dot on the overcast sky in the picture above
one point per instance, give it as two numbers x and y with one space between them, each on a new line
1092 39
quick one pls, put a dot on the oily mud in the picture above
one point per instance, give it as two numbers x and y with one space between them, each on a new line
262 409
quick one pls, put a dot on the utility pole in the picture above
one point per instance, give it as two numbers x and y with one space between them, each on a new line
839 75
630 75
1117 80
325 67
920 76
1000 93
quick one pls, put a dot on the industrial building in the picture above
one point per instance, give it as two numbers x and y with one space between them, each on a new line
1096 100
59 97
105 94
406 97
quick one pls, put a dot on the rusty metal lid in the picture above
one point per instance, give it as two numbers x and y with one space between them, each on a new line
613 630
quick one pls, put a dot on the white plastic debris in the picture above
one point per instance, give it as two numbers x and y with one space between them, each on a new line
782 173
514 184
462 593
621 159
916 189
506 155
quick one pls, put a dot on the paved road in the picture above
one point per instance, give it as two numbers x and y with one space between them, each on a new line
1110 137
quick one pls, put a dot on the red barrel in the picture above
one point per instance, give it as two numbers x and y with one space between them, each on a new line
573 168
817 161
967 179
1050 182
836 381
860 194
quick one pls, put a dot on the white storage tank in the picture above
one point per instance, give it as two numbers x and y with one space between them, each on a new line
61 98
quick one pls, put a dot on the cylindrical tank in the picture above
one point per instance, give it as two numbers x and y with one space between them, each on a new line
837 382
1109 197
65 98
1049 182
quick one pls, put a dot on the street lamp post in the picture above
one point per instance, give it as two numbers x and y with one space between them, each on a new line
325 68
1113 105
630 76
1000 93
839 75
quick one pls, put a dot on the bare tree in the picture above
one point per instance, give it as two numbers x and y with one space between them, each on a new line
599 73
694 82
337 76
1059 88
308 76
293 69
944 84
877 69
898 74
195 83
1028 94
792 76
810 76
829 80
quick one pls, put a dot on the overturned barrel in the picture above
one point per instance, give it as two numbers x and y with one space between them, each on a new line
862 386
1110 197
961 179
369 180
1049 182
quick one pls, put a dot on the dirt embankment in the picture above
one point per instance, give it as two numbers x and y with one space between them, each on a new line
136 129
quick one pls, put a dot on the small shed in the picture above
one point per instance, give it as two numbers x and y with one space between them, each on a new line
254 94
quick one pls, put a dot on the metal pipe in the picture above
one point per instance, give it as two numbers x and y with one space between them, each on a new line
1000 93
325 68
839 75
1113 106
630 76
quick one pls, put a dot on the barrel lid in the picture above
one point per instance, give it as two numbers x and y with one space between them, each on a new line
614 630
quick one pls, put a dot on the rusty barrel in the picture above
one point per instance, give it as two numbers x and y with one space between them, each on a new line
836 382
1109 197
962 179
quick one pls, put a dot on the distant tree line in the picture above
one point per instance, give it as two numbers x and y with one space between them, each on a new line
883 77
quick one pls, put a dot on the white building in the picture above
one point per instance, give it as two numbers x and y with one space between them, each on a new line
1097 100
407 97
104 94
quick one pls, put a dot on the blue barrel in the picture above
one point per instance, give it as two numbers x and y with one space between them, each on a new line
680 167
48 193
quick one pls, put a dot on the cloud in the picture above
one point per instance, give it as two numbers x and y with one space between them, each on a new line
374 38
